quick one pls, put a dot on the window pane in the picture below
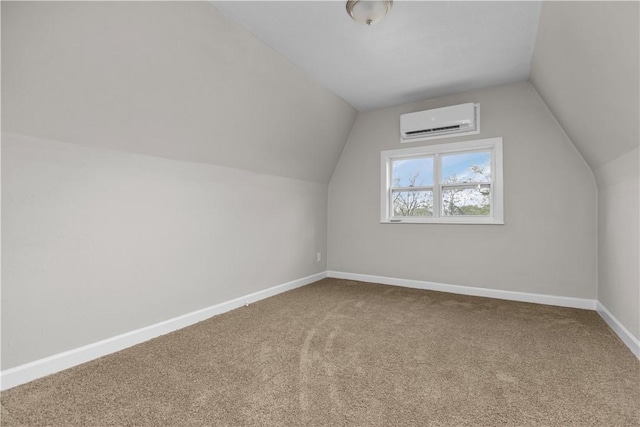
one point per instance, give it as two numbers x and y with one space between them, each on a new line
412 172
412 203
466 167
467 201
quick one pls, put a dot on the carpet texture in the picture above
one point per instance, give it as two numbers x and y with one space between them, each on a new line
340 352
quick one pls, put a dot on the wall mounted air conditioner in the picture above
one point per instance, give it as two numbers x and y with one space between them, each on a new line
456 120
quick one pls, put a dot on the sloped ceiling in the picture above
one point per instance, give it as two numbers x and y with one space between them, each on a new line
586 68
169 79
180 80
422 49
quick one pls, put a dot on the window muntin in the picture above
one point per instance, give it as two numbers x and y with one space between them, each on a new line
412 187
459 170
445 183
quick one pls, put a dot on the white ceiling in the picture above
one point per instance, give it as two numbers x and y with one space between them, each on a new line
420 50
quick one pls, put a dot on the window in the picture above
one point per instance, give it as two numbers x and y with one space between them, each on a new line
458 183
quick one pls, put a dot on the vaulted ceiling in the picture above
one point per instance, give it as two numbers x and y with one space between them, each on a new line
586 67
181 80
169 79
420 50
581 56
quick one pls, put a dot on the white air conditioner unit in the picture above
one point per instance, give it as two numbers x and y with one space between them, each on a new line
457 120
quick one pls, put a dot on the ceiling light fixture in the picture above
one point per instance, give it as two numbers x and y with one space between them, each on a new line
368 11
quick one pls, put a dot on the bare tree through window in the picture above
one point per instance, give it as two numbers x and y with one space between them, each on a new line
468 200
412 202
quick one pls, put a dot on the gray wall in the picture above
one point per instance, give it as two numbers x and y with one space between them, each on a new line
619 239
585 66
171 79
98 240
548 242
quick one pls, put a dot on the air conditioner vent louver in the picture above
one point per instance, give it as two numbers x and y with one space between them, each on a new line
460 119
426 131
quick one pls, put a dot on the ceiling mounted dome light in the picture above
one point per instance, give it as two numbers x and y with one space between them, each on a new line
368 11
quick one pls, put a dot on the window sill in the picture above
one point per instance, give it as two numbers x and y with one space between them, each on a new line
459 220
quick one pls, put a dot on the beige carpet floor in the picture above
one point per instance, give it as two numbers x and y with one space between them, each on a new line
339 352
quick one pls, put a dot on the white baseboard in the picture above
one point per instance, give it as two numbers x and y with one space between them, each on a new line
49 365
587 304
627 337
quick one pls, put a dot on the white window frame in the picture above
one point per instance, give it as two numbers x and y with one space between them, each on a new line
494 145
